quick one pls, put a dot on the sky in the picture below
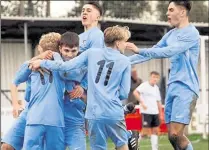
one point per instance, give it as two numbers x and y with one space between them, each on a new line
60 8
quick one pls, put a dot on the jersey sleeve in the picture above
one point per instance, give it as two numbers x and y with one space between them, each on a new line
125 83
77 62
162 42
183 43
22 74
84 81
136 58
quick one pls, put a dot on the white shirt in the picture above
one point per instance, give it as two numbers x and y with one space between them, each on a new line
149 95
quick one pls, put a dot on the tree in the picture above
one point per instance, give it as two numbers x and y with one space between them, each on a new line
199 11
118 9
76 11
25 8
126 9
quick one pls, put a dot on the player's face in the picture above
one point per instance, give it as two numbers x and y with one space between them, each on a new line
121 46
89 15
154 79
174 14
68 53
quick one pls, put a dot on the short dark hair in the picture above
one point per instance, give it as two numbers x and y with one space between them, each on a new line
70 39
185 3
155 73
97 6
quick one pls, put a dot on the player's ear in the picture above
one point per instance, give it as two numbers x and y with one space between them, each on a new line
117 44
98 18
183 12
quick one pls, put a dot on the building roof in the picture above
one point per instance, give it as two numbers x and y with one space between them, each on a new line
144 30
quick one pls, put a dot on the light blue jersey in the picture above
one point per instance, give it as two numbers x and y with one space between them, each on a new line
104 91
46 101
109 78
45 118
181 46
92 38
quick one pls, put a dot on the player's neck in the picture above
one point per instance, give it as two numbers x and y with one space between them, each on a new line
183 23
88 27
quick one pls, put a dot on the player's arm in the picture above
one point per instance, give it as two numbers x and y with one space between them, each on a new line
162 42
21 76
136 93
63 74
45 55
77 62
136 59
183 43
125 85
84 81
84 84
80 90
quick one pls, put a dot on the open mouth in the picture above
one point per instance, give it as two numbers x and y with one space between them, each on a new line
84 17
169 19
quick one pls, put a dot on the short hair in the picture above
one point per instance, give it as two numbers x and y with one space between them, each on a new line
116 33
154 73
50 41
187 4
97 6
70 39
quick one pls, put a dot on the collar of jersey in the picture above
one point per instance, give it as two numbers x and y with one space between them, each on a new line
112 50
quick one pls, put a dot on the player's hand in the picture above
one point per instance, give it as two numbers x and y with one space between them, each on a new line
15 110
34 65
46 55
132 47
77 92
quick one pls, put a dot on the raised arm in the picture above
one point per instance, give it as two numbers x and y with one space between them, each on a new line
162 42
78 62
184 42
181 45
136 59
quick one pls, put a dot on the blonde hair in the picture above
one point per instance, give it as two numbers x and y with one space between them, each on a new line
50 41
116 33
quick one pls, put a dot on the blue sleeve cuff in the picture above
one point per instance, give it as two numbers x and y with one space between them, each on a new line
42 64
56 56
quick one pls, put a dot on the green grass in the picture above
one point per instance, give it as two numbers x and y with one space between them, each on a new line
197 142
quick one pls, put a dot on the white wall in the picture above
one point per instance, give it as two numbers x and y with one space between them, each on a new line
12 56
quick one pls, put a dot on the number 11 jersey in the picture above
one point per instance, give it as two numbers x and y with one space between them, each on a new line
109 79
